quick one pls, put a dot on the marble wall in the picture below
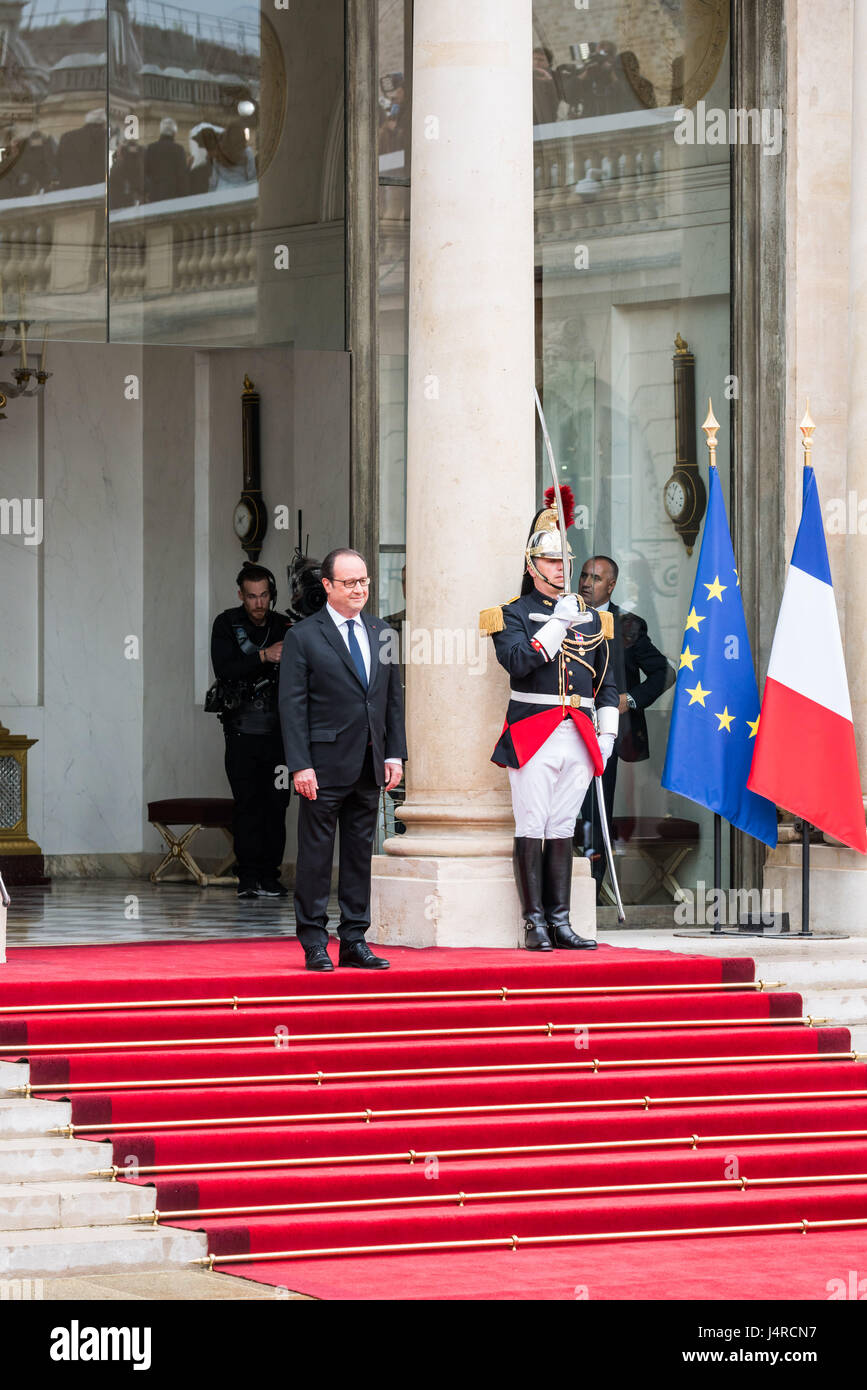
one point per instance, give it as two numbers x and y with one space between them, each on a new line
106 625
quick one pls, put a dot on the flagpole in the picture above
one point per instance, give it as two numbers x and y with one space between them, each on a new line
805 879
717 872
710 428
807 430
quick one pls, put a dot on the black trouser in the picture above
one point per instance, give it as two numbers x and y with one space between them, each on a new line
353 808
590 812
259 822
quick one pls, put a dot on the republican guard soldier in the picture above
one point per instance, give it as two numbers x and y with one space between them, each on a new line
560 728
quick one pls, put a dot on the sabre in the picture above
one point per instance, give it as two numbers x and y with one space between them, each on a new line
567 582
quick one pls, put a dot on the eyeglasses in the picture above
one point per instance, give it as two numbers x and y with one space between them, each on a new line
351 584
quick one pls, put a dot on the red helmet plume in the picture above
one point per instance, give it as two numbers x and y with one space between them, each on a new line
567 497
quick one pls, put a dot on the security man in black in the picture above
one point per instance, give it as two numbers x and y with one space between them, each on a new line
246 646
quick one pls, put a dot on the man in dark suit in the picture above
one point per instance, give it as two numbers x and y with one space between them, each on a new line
632 655
165 166
341 709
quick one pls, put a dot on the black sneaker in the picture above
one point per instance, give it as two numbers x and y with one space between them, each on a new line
272 888
248 889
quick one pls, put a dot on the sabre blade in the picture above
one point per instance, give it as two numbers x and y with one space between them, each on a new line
558 500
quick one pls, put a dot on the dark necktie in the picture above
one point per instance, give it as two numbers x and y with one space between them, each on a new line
355 652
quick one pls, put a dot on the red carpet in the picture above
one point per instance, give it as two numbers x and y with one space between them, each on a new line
609 1097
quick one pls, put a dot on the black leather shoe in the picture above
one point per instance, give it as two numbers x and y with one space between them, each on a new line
317 958
557 888
527 864
359 955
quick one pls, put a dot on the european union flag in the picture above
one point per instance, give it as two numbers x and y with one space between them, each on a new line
716 700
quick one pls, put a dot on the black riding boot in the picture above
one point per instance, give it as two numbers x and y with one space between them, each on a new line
527 863
557 884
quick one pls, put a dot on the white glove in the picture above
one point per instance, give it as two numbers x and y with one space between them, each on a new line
566 609
551 634
606 747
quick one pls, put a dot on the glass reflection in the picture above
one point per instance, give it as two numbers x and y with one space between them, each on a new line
632 257
218 139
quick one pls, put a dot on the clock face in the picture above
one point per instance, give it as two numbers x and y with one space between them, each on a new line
675 47
675 499
244 520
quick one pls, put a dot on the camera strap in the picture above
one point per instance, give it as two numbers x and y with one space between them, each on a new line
245 642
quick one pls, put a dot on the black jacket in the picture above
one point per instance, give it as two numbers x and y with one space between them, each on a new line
165 170
633 654
328 717
257 711
531 671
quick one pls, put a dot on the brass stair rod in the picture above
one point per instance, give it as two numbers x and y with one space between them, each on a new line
300 1039
492 1069
368 1115
741 1184
412 1155
503 992
517 1242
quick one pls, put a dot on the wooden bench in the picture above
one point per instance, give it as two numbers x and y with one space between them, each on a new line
196 813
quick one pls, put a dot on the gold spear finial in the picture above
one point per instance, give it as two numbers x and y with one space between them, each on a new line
807 428
710 427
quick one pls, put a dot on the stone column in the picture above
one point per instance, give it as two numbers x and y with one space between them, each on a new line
829 271
470 469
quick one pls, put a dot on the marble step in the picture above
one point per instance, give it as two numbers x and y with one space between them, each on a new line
89 1202
19 1116
39 1158
13 1074
846 1006
93 1249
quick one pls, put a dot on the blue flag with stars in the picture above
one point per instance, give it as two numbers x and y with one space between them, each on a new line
715 714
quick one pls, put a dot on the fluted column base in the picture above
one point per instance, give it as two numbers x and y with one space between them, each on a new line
465 830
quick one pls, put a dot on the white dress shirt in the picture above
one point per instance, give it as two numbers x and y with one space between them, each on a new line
342 625
360 632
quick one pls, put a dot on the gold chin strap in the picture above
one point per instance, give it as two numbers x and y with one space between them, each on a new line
532 568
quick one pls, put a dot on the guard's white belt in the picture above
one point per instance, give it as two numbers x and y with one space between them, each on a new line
576 701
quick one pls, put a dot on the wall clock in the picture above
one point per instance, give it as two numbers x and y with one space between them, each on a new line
250 518
683 495
678 45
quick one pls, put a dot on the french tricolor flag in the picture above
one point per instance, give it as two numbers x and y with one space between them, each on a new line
805 758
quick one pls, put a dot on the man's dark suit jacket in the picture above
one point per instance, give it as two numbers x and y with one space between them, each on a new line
633 653
165 170
328 717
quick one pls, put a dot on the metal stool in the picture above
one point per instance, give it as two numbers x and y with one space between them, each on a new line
197 813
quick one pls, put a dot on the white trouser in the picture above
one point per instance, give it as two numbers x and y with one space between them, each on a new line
547 791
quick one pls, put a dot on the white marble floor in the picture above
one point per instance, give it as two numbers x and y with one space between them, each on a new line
74 912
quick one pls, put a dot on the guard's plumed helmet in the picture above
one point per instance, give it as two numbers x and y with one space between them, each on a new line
544 541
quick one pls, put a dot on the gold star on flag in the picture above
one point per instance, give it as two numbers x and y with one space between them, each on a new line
725 720
687 658
693 621
697 695
715 590
737 579
754 725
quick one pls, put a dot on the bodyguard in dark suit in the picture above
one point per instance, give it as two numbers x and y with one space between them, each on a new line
633 655
341 709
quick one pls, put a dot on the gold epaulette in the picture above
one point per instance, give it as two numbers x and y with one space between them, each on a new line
491 620
607 621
